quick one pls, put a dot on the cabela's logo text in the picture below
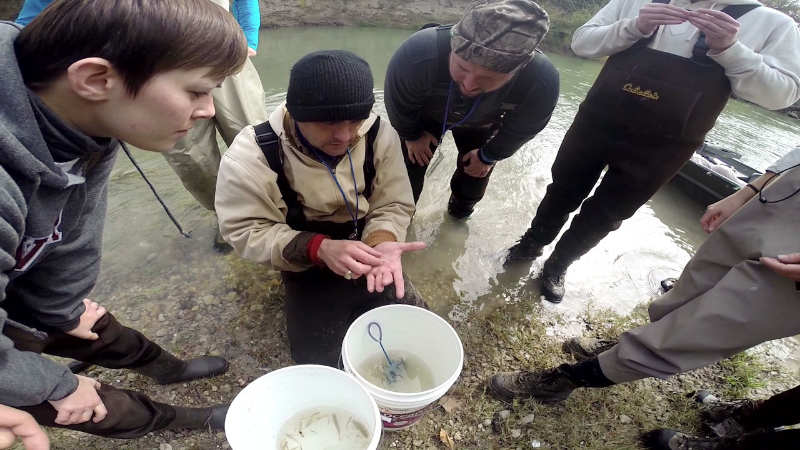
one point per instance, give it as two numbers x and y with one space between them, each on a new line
638 91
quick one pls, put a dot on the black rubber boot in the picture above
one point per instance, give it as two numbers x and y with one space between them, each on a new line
458 209
668 284
582 348
665 439
199 418
168 369
554 275
220 245
526 249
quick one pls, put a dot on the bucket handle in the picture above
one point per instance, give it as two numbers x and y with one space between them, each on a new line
380 332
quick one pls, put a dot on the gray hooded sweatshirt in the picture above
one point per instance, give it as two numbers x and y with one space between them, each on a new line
53 189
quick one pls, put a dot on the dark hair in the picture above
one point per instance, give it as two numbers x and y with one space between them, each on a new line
141 38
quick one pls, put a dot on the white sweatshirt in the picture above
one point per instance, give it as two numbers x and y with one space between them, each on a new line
763 65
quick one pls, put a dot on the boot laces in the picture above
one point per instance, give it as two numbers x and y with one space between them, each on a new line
697 443
729 406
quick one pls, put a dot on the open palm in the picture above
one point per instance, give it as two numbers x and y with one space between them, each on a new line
392 269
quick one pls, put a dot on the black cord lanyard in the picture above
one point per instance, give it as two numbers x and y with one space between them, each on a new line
761 197
445 129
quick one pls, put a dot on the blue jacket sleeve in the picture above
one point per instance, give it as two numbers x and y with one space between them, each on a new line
31 9
248 14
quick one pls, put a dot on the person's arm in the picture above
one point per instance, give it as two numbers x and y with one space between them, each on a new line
25 378
407 84
31 9
248 14
769 77
719 212
521 124
54 289
392 202
610 31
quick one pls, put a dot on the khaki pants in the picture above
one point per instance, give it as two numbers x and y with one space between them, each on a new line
195 157
725 301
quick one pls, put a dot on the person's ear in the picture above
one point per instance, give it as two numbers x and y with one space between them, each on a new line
93 78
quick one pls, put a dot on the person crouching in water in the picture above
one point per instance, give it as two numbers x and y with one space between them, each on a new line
320 193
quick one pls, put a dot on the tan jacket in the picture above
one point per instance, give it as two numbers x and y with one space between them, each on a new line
252 213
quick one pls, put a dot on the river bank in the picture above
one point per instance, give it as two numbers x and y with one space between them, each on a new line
239 315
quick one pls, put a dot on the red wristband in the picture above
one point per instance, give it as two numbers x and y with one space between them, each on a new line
313 249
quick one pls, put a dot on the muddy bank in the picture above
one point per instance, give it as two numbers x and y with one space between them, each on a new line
232 308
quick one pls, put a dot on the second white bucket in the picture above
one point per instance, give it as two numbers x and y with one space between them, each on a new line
414 330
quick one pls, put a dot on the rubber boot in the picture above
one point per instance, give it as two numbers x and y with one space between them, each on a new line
199 418
220 245
168 369
553 277
526 249
458 209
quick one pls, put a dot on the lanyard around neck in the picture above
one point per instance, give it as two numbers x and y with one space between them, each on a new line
445 128
324 161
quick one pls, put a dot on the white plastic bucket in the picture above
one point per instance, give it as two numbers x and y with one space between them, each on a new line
414 330
260 410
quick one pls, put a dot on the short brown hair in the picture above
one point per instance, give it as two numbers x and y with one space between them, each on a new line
141 38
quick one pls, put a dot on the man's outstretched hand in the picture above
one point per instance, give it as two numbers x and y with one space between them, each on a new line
392 269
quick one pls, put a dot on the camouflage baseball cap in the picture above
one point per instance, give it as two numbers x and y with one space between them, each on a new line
499 35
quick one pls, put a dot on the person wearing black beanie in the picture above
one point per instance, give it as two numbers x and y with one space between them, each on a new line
320 193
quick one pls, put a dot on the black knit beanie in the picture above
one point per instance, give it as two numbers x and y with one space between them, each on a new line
330 86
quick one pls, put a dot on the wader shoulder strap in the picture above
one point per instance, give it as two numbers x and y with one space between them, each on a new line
701 48
443 48
270 145
369 158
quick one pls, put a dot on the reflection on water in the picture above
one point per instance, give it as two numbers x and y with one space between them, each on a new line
461 271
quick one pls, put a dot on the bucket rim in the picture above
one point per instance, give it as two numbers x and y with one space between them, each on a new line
376 413
381 391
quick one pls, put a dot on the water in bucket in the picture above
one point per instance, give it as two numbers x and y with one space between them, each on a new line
416 377
323 428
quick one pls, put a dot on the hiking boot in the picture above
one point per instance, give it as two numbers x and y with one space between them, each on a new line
550 386
458 209
526 249
553 278
668 284
665 439
582 348
724 417
199 418
168 369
